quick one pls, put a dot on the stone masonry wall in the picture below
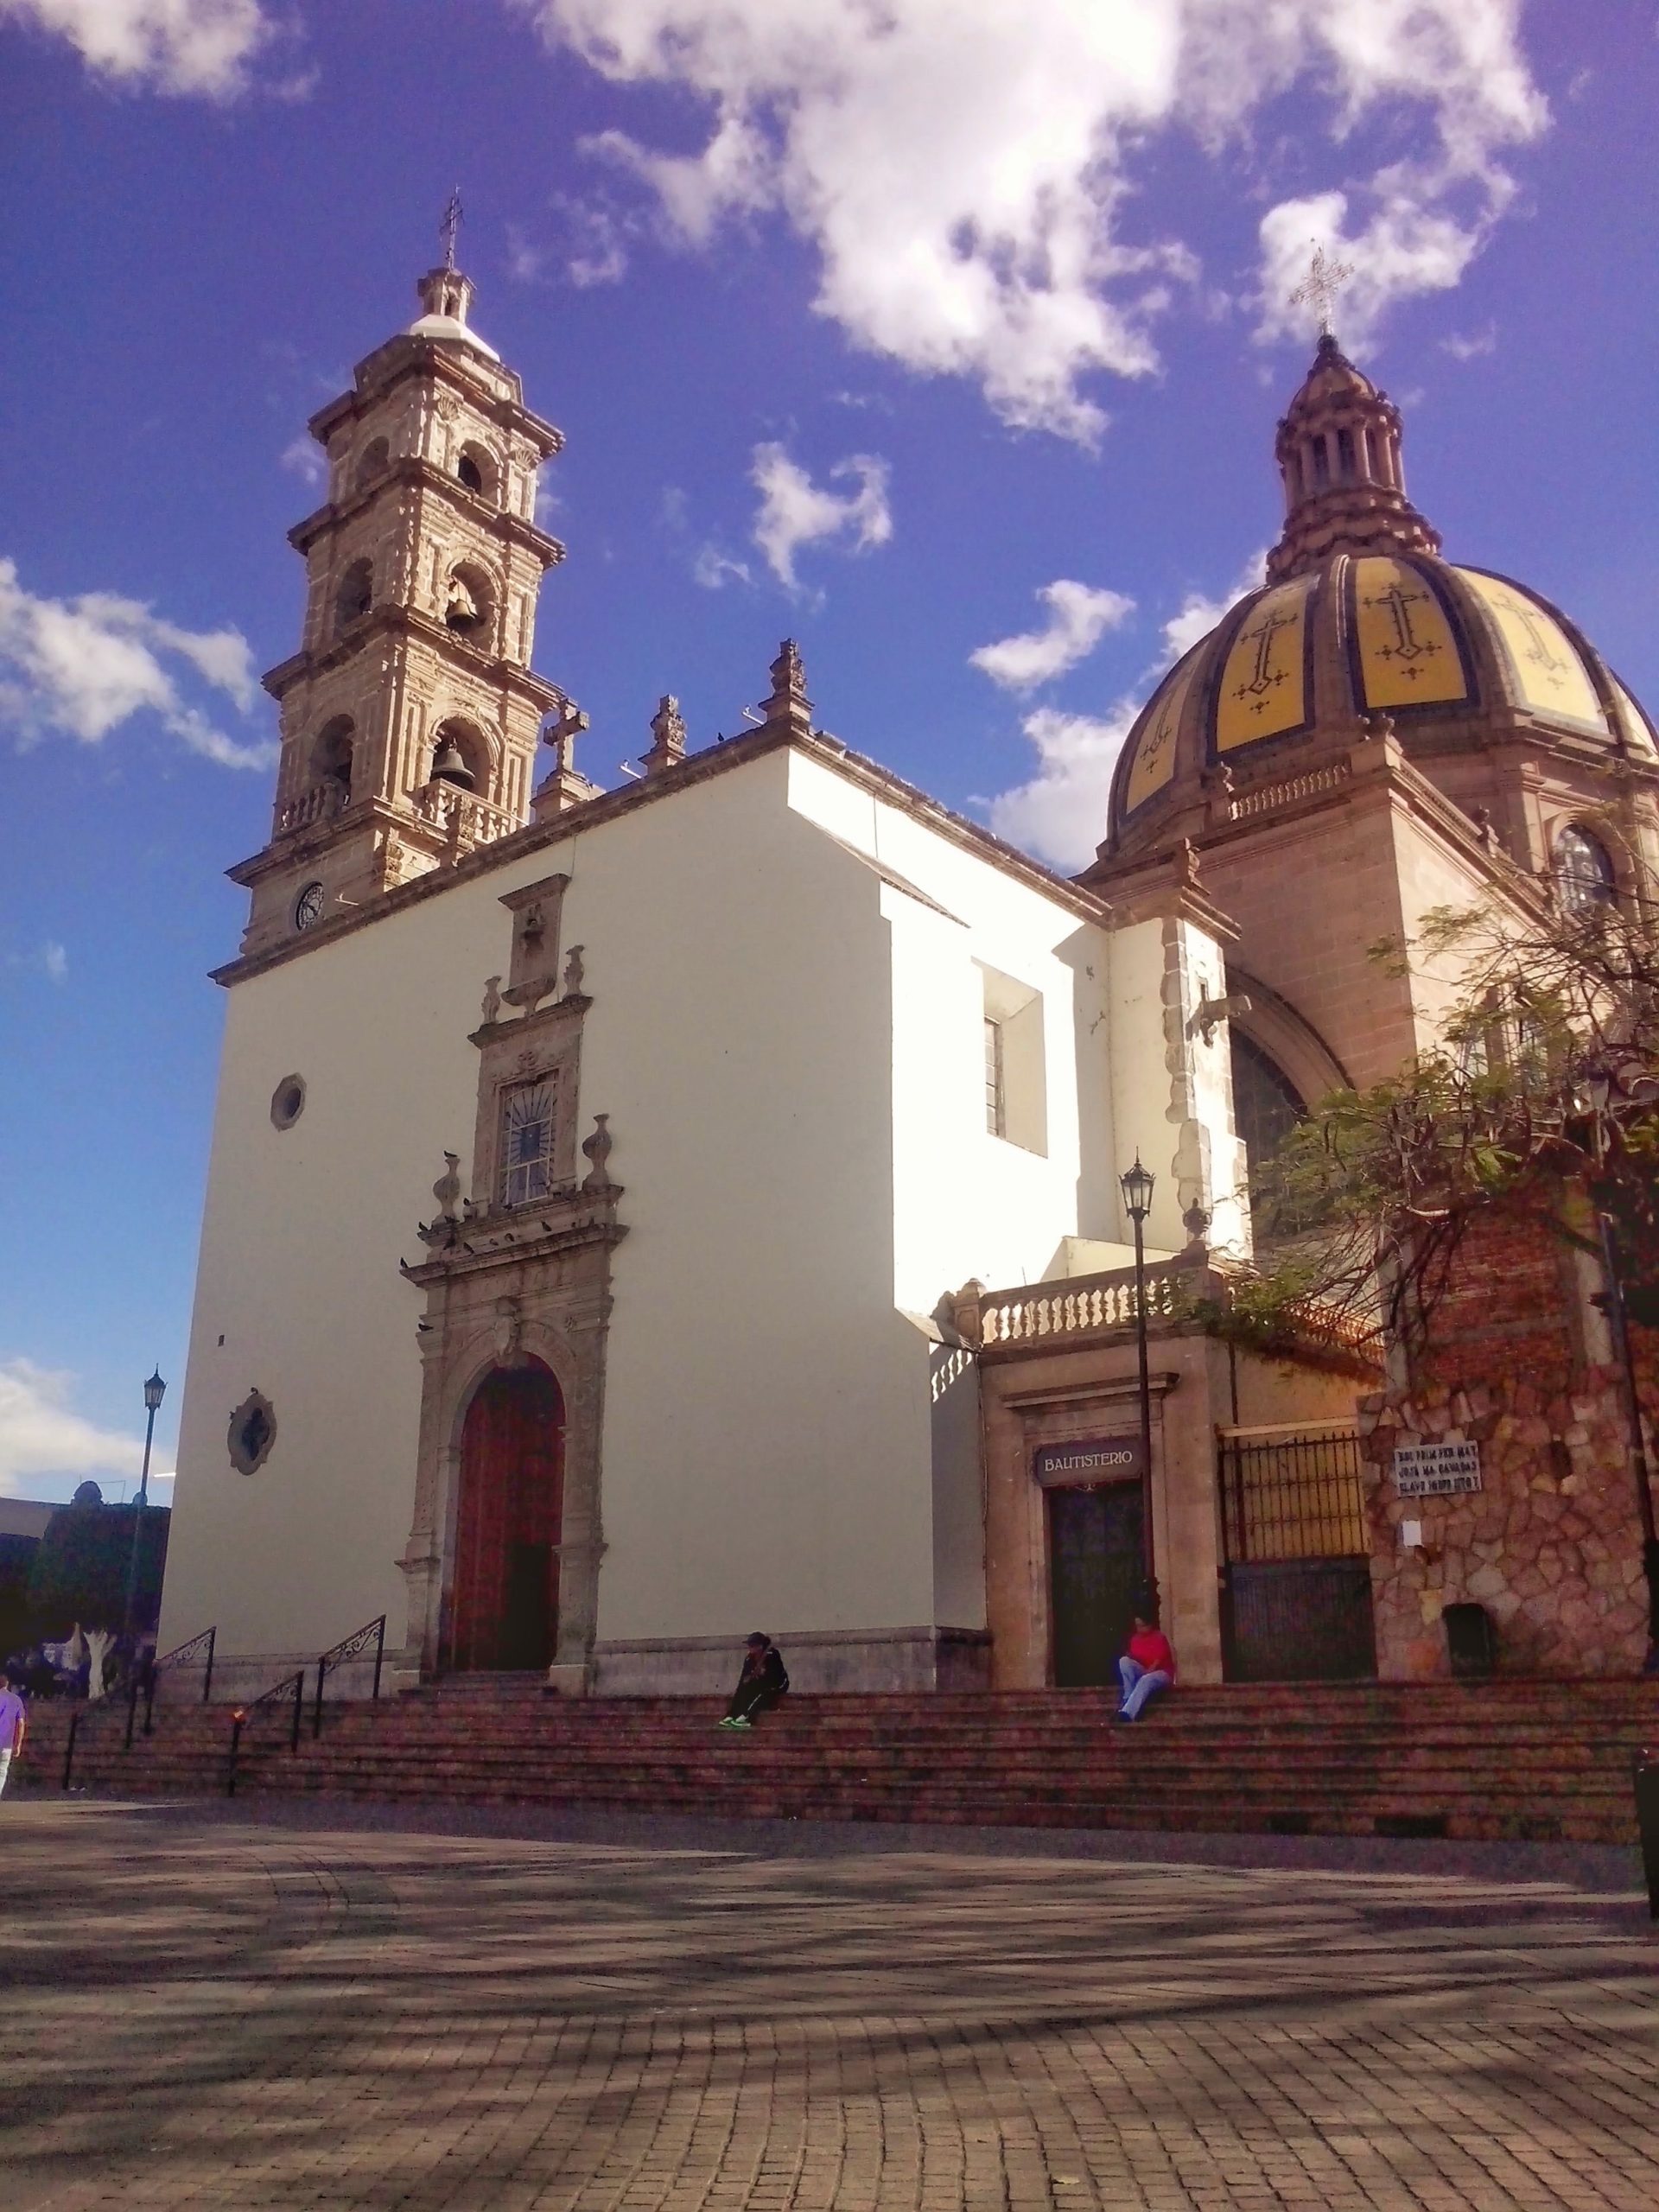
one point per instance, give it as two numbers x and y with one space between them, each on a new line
1552 1543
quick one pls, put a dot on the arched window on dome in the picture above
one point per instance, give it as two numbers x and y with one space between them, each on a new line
1267 1107
1583 872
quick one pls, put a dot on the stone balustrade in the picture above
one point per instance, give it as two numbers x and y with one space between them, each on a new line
320 803
1086 1306
1267 798
467 821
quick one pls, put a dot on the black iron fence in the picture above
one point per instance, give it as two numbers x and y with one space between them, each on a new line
1296 1577
1296 1496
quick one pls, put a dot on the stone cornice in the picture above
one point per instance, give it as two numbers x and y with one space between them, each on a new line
696 768
511 674
521 1235
414 469
1376 768
403 357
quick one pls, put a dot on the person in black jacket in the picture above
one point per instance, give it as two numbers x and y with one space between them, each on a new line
762 1682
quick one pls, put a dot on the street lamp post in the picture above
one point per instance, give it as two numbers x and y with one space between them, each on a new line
155 1391
1137 1186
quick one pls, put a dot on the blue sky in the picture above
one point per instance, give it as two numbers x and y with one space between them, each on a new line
947 337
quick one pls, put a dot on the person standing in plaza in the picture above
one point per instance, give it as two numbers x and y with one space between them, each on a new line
1146 1667
14 1726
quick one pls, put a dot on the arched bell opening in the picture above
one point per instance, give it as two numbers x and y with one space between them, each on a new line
503 1609
356 593
332 754
469 604
459 756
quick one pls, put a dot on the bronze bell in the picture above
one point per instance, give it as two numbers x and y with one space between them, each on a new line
450 767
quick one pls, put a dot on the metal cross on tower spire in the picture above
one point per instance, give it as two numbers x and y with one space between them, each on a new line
449 226
1318 288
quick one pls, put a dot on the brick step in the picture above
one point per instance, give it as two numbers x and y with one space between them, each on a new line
1214 1813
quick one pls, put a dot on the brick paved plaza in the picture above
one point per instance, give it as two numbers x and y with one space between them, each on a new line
205 2008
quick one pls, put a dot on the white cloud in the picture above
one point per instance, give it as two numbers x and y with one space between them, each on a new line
172 46
795 511
714 570
1472 345
50 959
84 666
969 175
1060 812
41 1435
304 456
1079 615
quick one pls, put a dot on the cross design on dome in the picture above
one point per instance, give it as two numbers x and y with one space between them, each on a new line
1408 646
1319 288
1539 651
1264 678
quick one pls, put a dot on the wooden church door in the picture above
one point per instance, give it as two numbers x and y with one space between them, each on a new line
505 1601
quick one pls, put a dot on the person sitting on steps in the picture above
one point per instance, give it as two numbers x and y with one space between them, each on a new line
759 1686
1147 1666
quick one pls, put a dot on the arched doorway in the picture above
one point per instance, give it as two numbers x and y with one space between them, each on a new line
504 1602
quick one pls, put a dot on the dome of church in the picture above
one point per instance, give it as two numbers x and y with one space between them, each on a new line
1360 617
445 296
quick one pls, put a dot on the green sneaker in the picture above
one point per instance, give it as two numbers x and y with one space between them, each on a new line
739 1724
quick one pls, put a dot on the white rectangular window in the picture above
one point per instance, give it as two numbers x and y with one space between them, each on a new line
996 1104
1016 1070
527 1112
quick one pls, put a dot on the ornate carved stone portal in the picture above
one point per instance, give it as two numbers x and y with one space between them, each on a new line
517 1285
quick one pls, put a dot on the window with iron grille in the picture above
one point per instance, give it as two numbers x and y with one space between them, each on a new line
996 1110
527 1112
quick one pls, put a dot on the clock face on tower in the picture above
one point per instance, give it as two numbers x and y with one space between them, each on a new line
308 907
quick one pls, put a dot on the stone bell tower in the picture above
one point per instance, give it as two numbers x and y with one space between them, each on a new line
410 715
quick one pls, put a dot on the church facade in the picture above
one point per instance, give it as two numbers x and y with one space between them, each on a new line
777 1271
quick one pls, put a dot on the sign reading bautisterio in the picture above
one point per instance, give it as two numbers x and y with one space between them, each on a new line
1436 1470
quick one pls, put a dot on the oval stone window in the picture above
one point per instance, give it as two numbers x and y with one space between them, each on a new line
288 1101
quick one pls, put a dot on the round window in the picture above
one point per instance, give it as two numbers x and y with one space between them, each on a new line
288 1101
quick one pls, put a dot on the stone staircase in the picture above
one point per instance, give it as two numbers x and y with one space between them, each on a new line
1518 1760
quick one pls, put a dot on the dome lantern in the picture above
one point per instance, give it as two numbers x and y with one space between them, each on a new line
1339 450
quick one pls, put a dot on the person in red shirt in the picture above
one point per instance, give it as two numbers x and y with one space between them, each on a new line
1147 1666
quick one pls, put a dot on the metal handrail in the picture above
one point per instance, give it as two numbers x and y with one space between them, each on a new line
350 1647
290 1686
183 1655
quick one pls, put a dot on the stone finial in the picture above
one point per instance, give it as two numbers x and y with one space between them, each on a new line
787 705
668 737
573 972
1196 1222
491 1008
446 1189
597 1149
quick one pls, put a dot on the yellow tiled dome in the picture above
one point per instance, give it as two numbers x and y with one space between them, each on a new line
1359 617
1440 648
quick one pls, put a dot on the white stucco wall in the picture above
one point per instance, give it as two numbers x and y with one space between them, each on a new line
790 1048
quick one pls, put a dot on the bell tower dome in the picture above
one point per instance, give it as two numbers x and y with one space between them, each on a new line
410 717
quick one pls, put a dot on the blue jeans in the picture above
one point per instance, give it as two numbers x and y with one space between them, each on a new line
1139 1683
